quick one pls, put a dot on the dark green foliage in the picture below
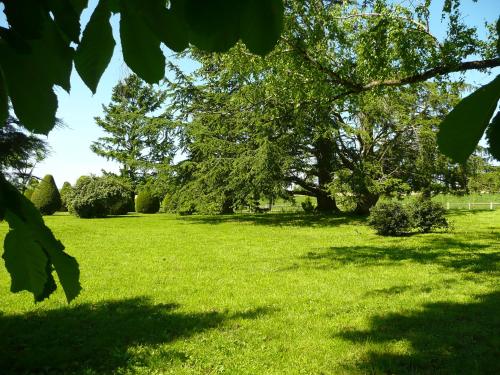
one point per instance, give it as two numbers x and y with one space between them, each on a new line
307 205
146 202
31 252
66 192
46 196
464 126
99 197
427 215
390 219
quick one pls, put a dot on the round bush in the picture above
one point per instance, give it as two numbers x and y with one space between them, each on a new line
390 219
99 197
46 196
146 203
427 215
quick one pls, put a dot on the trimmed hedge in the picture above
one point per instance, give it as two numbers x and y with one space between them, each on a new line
427 215
46 196
146 203
99 197
66 192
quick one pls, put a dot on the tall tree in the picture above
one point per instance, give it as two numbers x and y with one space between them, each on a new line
324 97
139 136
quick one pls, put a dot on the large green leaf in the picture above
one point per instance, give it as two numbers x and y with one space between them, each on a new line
25 261
67 18
31 250
4 100
261 25
214 25
464 126
168 24
54 55
141 47
96 48
26 17
493 137
30 90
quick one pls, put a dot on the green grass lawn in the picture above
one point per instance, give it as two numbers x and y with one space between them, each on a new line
265 294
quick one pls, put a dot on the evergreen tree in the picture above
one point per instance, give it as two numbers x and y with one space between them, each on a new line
46 196
139 136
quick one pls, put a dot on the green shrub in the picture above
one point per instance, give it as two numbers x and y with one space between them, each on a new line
66 192
46 196
307 205
146 202
99 197
427 215
390 219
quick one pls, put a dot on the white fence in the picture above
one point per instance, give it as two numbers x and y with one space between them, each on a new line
472 205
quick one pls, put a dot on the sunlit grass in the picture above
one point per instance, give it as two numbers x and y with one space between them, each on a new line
265 294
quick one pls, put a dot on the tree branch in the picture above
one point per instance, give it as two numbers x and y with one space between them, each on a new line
424 76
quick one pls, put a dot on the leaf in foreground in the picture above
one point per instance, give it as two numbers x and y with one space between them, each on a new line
31 252
464 126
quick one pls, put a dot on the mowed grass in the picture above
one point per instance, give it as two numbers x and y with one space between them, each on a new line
264 294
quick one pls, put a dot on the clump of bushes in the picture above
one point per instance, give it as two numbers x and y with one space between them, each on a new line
394 219
390 219
46 196
100 196
428 215
146 202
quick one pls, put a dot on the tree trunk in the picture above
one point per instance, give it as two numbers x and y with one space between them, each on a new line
324 153
326 203
365 202
227 206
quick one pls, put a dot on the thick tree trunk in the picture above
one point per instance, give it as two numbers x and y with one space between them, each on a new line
324 153
227 207
326 203
365 202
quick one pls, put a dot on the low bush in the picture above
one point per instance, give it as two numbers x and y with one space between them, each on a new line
307 205
99 197
46 196
427 215
390 219
146 202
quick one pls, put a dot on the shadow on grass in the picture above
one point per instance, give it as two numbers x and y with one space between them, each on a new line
96 337
447 252
444 338
278 219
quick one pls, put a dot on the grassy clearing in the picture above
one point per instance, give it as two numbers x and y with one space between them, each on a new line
265 294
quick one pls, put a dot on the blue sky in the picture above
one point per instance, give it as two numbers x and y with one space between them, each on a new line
71 156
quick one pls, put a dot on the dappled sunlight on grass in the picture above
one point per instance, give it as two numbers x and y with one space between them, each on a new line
271 293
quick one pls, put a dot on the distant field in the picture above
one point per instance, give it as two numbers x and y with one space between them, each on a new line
263 294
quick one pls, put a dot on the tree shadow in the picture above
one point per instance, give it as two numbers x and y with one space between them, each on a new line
278 219
447 252
444 338
97 336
